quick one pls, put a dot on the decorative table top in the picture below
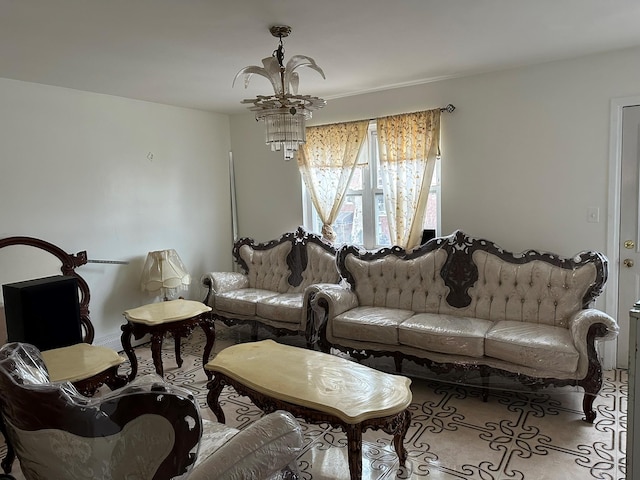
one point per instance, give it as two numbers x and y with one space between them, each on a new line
79 361
164 312
330 384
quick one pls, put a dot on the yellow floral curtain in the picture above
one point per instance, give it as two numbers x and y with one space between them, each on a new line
408 146
327 161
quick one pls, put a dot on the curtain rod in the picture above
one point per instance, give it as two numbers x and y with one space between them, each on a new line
449 107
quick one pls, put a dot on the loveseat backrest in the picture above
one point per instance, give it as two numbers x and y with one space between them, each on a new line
289 264
320 266
473 277
536 291
394 278
266 268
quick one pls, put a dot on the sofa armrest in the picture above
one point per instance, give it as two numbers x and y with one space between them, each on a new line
580 323
261 450
335 298
219 282
588 326
325 301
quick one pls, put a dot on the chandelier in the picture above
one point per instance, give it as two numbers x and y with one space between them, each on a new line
285 112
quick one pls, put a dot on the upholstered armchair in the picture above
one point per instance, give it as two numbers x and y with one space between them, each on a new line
148 429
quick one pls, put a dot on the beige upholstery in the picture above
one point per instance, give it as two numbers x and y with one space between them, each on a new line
542 347
534 292
389 281
268 269
321 268
445 333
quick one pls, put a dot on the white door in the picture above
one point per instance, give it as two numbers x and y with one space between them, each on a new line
629 248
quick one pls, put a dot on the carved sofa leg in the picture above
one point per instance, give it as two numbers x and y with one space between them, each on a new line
592 383
587 407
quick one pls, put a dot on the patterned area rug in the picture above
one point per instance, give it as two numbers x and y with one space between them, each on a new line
453 433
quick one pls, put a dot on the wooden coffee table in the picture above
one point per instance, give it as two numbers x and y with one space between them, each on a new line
317 387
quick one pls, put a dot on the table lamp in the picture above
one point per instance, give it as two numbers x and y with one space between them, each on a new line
164 274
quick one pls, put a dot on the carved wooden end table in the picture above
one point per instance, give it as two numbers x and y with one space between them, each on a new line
177 318
318 387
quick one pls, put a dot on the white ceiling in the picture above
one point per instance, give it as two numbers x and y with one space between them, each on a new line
187 52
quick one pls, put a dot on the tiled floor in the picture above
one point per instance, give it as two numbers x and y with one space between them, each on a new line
453 433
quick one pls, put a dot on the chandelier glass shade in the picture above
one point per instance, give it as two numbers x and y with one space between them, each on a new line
285 112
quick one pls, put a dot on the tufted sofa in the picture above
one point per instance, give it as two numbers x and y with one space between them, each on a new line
461 303
270 290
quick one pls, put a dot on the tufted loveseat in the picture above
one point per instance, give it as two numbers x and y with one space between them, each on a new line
461 303
270 290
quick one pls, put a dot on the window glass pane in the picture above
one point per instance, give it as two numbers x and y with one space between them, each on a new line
433 207
382 227
431 217
348 226
357 179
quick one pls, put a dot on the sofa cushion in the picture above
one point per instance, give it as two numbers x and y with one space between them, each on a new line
242 302
445 333
370 324
284 307
542 347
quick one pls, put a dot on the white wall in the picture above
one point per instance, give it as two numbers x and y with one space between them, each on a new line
268 188
76 170
525 154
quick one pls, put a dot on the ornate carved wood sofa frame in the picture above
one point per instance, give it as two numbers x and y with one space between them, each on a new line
270 290
466 305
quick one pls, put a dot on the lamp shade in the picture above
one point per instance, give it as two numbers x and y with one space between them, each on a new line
164 273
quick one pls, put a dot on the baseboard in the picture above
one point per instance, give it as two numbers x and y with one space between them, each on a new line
113 341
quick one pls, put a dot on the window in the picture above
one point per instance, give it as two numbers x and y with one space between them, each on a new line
362 219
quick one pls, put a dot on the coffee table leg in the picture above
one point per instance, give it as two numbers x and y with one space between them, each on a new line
213 398
354 446
156 353
399 435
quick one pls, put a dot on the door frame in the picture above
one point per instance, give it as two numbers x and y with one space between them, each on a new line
613 218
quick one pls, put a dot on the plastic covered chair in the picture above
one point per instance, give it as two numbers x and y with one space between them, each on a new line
148 429
87 366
